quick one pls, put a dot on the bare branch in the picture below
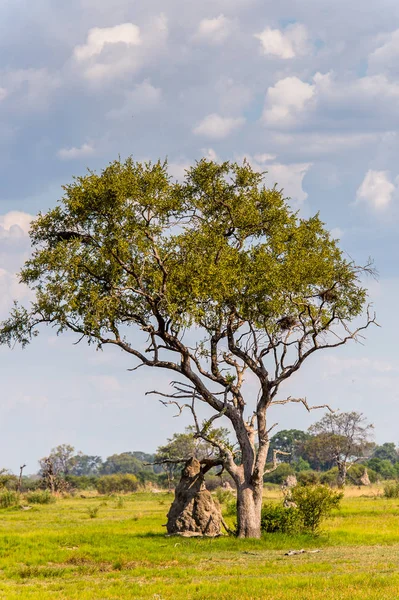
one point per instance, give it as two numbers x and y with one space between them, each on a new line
301 401
275 464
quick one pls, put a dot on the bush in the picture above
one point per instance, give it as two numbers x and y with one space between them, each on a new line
81 482
8 498
277 518
308 478
391 489
280 474
314 504
92 511
40 497
109 484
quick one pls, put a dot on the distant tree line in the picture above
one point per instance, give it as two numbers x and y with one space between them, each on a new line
337 449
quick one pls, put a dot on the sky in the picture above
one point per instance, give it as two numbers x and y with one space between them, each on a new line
307 91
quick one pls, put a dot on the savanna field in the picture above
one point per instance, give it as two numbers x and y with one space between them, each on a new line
101 548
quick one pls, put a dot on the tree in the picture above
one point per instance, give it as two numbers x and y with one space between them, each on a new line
387 451
183 446
62 459
289 441
126 462
85 465
343 438
217 273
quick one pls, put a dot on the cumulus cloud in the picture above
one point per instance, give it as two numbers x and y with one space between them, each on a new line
111 52
216 127
76 153
288 177
372 99
97 38
286 101
14 224
29 89
214 31
143 97
289 43
385 58
376 190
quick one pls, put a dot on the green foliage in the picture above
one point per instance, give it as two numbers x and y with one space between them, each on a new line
227 240
386 451
391 489
40 497
92 511
110 484
224 496
383 467
8 480
81 482
277 518
288 440
126 462
314 504
8 498
308 477
279 474
301 464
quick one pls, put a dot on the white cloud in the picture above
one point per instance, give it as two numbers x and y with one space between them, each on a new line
143 97
216 127
288 177
376 190
233 96
178 169
214 31
75 153
385 57
286 101
97 39
315 143
264 158
209 154
15 224
29 89
336 233
113 52
291 42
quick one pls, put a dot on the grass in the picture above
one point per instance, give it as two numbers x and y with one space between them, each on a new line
56 551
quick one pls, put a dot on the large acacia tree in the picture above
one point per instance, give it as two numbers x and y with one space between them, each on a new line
217 272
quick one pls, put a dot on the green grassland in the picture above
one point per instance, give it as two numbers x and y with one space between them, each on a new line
58 551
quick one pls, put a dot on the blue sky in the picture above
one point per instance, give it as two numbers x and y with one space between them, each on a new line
307 91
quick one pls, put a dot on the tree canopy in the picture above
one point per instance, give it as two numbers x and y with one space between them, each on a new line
220 258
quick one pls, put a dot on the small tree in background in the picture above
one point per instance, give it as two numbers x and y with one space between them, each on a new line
183 446
343 438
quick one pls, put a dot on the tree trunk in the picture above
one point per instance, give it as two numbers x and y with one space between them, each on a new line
249 506
341 479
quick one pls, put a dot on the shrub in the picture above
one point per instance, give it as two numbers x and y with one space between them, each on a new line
314 504
277 518
81 482
224 496
109 484
308 478
92 511
391 489
8 498
280 474
40 497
